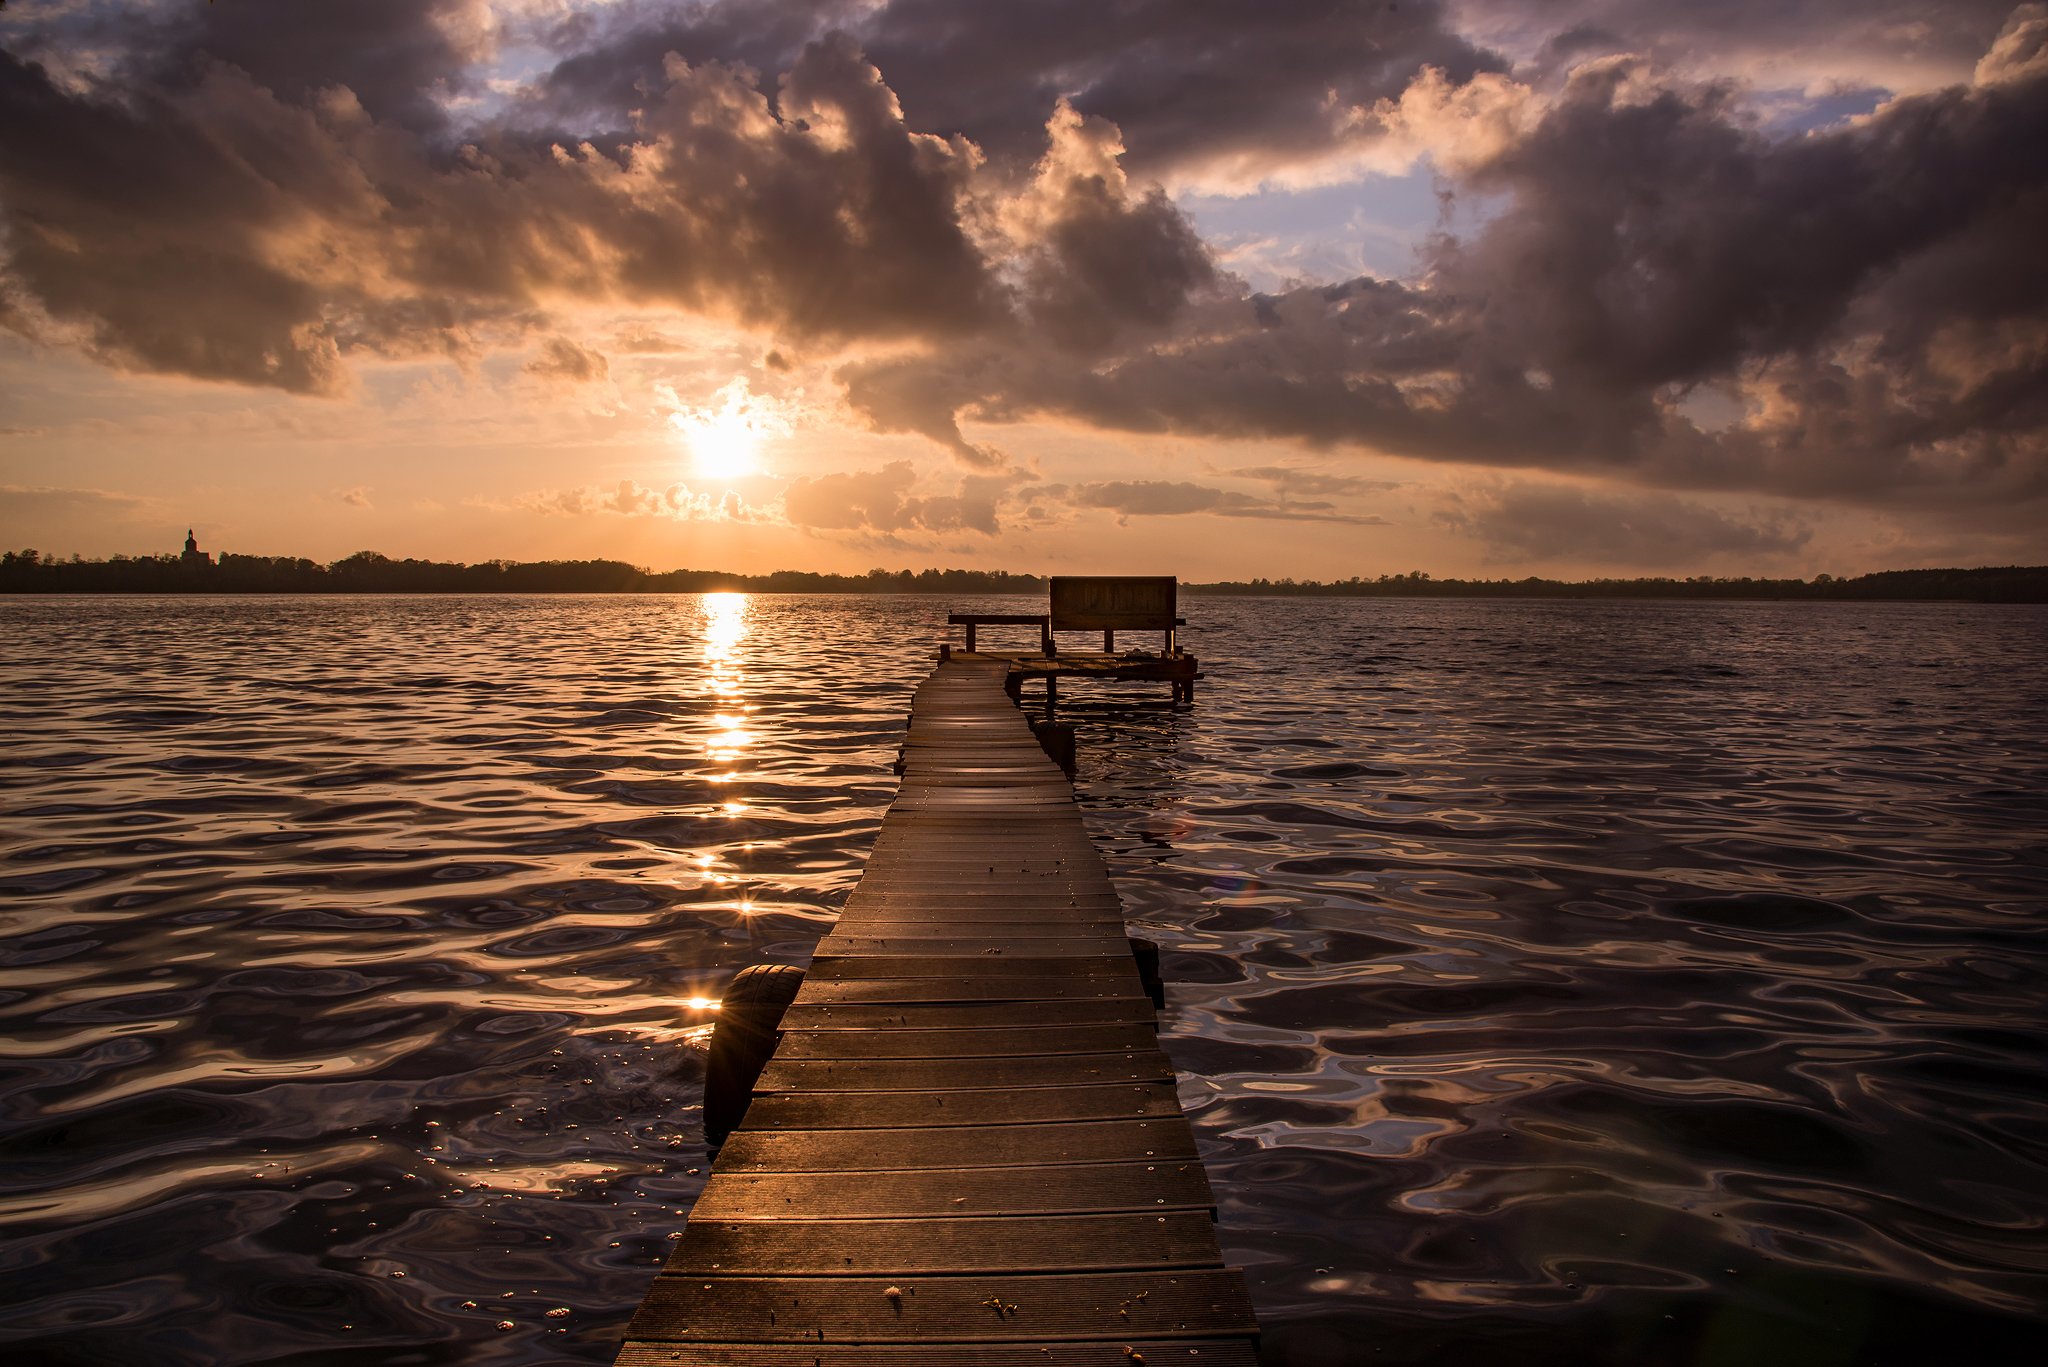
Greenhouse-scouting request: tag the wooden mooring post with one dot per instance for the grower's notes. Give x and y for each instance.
(967, 1147)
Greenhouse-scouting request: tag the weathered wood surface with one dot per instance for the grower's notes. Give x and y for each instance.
(968, 1108)
(938, 1247)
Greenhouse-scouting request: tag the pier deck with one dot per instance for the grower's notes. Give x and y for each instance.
(967, 1148)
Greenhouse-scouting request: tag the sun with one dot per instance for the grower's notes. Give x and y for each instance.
(723, 448)
(724, 437)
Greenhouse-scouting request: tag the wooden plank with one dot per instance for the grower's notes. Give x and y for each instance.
(1107, 1305)
(968, 1074)
(1021, 1243)
(982, 901)
(991, 1146)
(984, 1015)
(1187, 1352)
(978, 881)
(1058, 921)
(1024, 964)
(987, 944)
(1118, 602)
(866, 934)
(800, 1046)
(913, 1110)
(1052, 1189)
(936, 907)
(882, 990)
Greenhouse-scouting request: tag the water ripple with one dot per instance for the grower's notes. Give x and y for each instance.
(1638, 979)
(1551, 982)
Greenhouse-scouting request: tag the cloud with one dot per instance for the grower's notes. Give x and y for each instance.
(879, 500)
(33, 513)
(400, 58)
(1295, 479)
(957, 210)
(645, 341)
(562, 359)
(283, 234)
(1101, 260)
(35, 500)
(1904, 46)
(2021, 49)
(1168, 498)
(629, 498)
(356, 497)
(1202, 92)
(1862, 300)
(294, 225)
(1524, 521)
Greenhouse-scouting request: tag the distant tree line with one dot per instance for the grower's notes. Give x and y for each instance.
(368, 572)
(2007, 584)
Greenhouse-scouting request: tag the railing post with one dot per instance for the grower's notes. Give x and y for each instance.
(1108, 641)
(970, 638)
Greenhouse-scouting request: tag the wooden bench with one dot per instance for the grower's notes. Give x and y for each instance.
(1096, 602)
(1113, 603)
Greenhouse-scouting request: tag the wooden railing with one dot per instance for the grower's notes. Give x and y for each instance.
(971, 620)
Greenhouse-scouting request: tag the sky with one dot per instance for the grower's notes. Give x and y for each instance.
(1298, 288)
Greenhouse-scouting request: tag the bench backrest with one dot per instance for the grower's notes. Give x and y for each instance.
(1113, 602)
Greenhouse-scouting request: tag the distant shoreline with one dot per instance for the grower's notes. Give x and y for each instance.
(366, 572)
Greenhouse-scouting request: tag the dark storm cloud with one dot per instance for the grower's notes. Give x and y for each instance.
(1865, 294)
(399, 57)
(1192, 83)
(217, 229)
(1103, 260)
(1521, 521)
(248, 221)
(1887, 38)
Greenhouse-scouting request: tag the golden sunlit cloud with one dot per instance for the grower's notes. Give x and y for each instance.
(724, 438)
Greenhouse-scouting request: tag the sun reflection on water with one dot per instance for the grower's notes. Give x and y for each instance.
(725, 626)
(730, 734)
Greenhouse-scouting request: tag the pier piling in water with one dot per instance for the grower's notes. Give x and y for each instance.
(967, 1147)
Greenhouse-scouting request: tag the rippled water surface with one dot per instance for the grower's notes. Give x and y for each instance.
(1551, 982)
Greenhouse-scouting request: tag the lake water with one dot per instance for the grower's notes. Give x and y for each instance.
(1568, 982)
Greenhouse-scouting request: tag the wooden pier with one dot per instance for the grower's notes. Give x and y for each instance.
(967, 1147)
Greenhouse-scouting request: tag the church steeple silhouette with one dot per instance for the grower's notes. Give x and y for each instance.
(193, 555)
